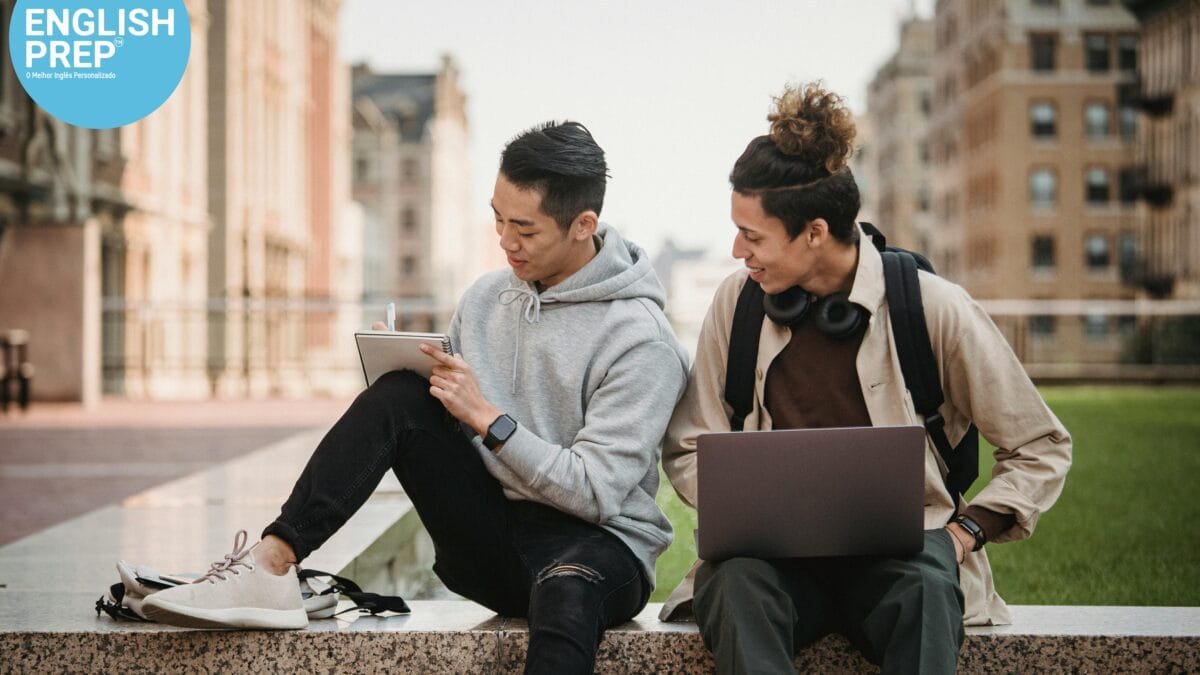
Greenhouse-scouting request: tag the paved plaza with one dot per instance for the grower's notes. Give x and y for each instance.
(59, 461)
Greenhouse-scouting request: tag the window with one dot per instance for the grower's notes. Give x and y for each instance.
(408, 219)
(1042, 187)
(1097, 254)
(1042, 49)
(1042, 119)
(1097, 186)
(1042, 326)
(1127, 121)
(1097, 53)
(362, 170)
(1126, 325)
(1095, 119)
(1045, 3)
(1095, 326)
(926, 104)
(1099, 3)
(1127, 187)
(1043, 253)
(408, 265)
(1127, 52)
(1127, 250)
(408, 170)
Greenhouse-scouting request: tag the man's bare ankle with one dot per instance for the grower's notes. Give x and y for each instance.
(275, 555)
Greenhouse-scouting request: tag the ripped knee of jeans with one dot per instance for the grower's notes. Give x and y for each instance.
(561, 569)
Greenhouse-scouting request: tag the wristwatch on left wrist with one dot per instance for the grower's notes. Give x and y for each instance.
(499, 432)
(968, 523)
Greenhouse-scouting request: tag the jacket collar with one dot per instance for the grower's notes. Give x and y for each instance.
(868, 289)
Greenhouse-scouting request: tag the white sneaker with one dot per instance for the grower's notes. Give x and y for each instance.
(235, 593)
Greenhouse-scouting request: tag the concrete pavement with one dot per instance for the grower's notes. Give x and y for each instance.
(59, 461)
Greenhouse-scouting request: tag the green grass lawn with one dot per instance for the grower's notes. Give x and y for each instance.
(1126, 530)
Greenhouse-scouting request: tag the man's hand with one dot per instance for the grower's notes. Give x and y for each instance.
(963, 541)
(454, 384)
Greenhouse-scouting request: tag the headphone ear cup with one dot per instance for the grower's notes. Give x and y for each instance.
(788, 307)
(837, 317)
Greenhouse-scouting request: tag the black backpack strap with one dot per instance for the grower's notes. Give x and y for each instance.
(918, 364)
(368, 603)
(743, 353)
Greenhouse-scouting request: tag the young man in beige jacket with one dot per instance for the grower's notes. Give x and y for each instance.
(794, 204)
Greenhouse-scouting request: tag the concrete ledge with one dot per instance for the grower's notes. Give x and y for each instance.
(59, 634)
(50, 581)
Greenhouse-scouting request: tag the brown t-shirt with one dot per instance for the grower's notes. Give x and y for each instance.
(813, 383)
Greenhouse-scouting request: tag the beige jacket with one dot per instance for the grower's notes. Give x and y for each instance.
(983, 382)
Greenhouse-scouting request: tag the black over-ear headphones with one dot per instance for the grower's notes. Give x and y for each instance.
(836, 316)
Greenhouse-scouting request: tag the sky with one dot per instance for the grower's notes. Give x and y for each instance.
(672, 90)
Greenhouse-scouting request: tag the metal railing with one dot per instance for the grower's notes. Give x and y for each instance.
(236, 347)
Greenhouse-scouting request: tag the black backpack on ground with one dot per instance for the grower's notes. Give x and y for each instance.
(917, 362)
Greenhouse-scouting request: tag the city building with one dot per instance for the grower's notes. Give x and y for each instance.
(1168, 148)
(865, 168)
(208, 249)
(899, 104)
(1032, 151)
(153, 268)
(412, 177)
(275, 156)
(60, 197)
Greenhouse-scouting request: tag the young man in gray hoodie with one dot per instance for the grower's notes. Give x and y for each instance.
(538, 487)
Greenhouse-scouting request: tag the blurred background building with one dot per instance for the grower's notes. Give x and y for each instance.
(899, 103)
(1033, 165)
(213, 248)
(153, 259)
(412, 177)
(1167, 92)
(1044, 153)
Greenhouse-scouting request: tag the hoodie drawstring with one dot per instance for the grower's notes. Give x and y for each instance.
(533, 314)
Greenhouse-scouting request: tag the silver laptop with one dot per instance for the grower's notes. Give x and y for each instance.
(800, 493)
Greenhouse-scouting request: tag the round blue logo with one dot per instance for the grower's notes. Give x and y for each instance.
(100, 63)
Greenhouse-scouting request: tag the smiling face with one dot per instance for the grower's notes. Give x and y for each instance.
(538, 250)
(775, 261)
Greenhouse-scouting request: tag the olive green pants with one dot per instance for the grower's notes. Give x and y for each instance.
(905, 614)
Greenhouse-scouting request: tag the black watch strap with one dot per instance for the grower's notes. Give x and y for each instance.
(968, 523)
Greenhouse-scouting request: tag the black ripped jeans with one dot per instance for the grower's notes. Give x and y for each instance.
(571, 578)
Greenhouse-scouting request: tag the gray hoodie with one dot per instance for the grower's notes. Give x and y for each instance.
(591, 371)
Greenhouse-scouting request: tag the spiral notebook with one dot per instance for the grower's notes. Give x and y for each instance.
(382, 352)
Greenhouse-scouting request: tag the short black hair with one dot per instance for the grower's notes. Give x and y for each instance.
(561, 161)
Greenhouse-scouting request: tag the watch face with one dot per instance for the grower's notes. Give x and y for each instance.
(503, 427)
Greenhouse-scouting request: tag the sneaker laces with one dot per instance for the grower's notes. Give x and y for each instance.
(230, 563)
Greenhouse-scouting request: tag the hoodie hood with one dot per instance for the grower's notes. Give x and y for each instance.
(620, 270)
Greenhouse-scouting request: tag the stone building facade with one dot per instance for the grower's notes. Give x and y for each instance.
(1032, 163)
(275, 158)
(152, 262)
(208, 249)
(899, 104)
(412, 177)
(1168, 147)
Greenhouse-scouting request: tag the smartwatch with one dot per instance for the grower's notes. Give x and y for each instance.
(499, 432)
(968, 523)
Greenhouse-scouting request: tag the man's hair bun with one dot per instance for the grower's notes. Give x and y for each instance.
(813, 125)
